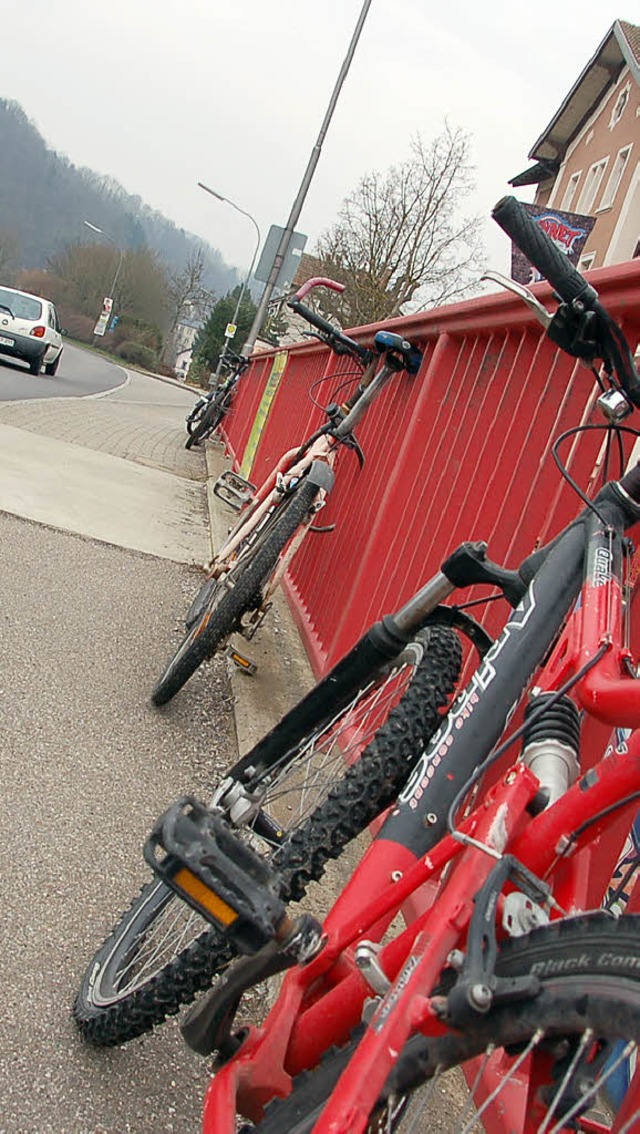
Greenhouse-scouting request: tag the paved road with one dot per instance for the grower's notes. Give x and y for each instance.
(80, 372)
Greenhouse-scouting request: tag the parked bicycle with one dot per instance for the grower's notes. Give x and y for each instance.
(497, 972)
(208, 412)
(276, 517)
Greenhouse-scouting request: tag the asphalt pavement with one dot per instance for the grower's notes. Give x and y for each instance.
(80, 372)
(89, 616)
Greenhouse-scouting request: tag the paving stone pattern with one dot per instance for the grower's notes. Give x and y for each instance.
(126, 423)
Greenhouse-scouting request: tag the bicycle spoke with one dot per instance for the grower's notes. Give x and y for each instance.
(424, 1103)
(170, 935)
(481, 1070)
(587, 1037)
(339, 743)
(592, 1091)
(537, 1036)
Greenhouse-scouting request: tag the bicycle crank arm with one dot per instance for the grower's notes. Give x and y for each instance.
(207, 1026)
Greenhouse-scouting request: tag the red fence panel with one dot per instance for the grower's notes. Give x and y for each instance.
(461, 451)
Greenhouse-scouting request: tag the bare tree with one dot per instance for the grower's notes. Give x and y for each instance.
(188, 298)
(400, 239)
(88, 271)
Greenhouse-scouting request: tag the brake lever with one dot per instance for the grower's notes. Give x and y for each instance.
(542, 315)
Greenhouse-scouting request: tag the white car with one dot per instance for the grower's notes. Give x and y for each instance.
(29, 330)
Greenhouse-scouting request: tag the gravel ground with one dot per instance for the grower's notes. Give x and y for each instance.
(86, 766)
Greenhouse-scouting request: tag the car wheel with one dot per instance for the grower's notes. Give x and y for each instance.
(51, 368)
(35, 366)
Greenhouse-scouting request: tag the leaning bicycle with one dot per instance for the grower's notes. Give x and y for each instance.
(276, 517)
(496, 973)
(208, 412)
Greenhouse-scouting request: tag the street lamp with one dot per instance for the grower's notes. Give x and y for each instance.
(245, 283)
(94, 228)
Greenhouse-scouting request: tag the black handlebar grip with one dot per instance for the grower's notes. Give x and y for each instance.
(533, 241)
(326, 328)
(311, 317)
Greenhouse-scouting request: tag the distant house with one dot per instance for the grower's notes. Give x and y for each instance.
(587, 160)
(183, 339)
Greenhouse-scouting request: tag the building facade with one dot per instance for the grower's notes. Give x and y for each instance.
(588, 157)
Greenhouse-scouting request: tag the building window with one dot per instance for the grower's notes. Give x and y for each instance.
(619, 105)
(615, 177)
(570, 191)
(592, 185)
(587, 261)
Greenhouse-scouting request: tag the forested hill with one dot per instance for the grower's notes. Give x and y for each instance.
(44, 199)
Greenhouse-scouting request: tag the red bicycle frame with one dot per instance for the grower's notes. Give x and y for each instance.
(321, 1003)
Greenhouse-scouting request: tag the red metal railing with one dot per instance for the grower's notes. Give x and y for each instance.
(461, 451)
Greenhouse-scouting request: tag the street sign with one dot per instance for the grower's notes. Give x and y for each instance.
(230, 330)
(103, 318)
(289, 264)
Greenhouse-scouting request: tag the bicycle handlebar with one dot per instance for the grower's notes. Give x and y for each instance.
(553, 264)
(338, 342)
(317, 281)
(581, 326)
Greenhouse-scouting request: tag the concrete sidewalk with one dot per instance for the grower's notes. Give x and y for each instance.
(114, 467)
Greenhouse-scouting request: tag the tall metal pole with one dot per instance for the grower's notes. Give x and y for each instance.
(245, 282)
(94, 228)
(304, 187)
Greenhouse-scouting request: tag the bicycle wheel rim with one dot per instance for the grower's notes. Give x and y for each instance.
(133, 961)
(124, 971)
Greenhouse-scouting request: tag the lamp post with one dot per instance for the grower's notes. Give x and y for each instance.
(245, 282)
(296, 208)
(94, 228)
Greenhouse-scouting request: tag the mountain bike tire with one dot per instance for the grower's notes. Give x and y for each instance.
(585, 983)
(109, 1011)
(240, 592)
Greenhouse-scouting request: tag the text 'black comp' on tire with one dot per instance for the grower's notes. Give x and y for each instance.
(588, 986)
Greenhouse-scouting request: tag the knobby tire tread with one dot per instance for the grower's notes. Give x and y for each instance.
(239, 599)
(563, 1001)
(367, 788)
(209, 421)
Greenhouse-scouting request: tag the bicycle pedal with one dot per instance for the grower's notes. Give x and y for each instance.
(233, 489)
(217, 874)
(245, 665)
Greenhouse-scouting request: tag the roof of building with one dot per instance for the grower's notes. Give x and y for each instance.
(620, 48)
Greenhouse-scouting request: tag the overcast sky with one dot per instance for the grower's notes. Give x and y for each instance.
(161, 94)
